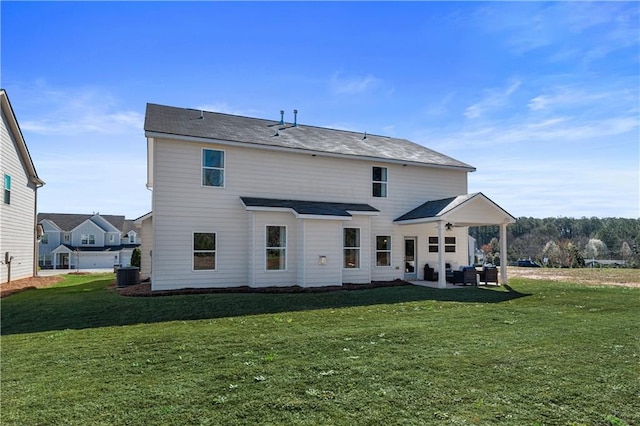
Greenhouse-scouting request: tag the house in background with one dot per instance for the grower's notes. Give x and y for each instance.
(243, 201)
(86, 241)
(20, 183)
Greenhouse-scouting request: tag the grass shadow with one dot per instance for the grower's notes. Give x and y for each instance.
(92, 304)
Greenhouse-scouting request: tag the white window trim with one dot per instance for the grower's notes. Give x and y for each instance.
(224, 168)
(88, 243)
(375, 251)
(352, 248)
(430, 245)
(7, 189)
(386, 182)
(286, 249)
(193, 251)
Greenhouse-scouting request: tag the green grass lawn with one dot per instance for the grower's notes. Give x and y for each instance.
(536, 353)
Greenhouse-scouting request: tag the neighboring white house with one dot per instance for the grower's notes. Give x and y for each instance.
(241, 201)
(86, 241)
(20, 183)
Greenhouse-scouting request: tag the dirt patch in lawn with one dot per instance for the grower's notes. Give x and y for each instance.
(590, 276)
(16, 286)
(144, 289)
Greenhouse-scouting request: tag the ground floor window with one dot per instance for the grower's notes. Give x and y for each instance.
(449, 244)
(351, 248)
(276, 248)
(45, 260)
(204, 251)
(383, 250)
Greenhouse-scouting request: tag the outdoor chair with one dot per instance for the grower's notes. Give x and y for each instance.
(489, 275)
(467, 275)
(429, 273)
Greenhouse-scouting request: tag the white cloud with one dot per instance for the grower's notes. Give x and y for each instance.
(353, 85)
(225, 108)
(73, 111)
(571, 97)
(493, 99)
(557, 187)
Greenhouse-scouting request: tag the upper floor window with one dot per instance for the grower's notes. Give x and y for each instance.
(112, 238)
(44, 239)
(351, 248)
(204, 251)
(7, 189)
(132, 238)
(87, 239)
(379, 182)
(67, 238)
(213, 168)
(276, 248)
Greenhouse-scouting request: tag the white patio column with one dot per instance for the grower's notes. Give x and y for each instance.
(442, 279)
(503, 253)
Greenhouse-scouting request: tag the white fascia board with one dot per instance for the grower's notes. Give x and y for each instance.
(303, 151)
(420, 220)
(269, 209)
(362, 213)
(91, 222)
(142, 218)
(61, 249)
(150, 144)
(322, 217)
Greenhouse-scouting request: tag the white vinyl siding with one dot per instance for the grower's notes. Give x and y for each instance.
(17, 222)
(181, 204)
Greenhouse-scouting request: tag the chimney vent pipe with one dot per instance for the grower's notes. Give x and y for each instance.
(295, 118)
(281, 117)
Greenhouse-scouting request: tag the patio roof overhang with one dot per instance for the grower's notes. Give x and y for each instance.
(461, 211)
(464, 210)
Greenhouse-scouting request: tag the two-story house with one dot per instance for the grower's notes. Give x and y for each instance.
(20, 183)
(86, 241)
(241, 201)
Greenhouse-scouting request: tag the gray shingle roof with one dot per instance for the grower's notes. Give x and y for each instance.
(428, 209)
(225, 127)
(319, 208)
(68, 221)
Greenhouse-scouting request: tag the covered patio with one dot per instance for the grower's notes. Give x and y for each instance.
(461, 211)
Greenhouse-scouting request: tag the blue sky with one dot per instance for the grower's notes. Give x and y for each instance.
(542, 98)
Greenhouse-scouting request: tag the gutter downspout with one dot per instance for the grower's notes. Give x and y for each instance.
(36, 243)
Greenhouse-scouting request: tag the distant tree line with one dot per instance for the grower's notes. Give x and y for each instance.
(564, 242)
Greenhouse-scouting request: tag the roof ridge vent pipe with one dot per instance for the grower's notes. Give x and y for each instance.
(295, 118)
(281, 117)
(201, 115)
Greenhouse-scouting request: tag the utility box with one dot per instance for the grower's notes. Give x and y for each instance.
(129, 275)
